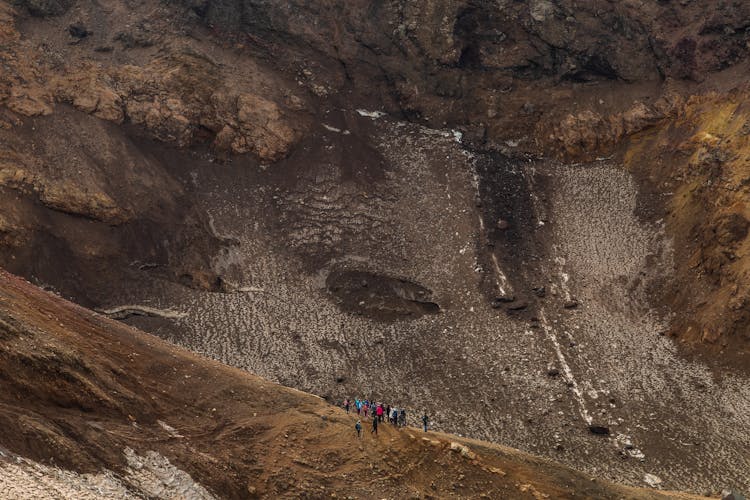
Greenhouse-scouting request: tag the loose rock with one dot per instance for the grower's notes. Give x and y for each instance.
(599, 430)
(78, 31)
(652, 480)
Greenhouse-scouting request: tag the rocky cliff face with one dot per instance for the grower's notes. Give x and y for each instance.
(483, 65)
(344, 196)
(566, 79)
(700, 157)
(530, 76)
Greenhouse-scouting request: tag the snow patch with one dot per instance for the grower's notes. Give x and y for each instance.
(331, 128)
(122, 312)
(149, 476)
(567, 372)
(371, 114)
(652, 480)
(155, 476)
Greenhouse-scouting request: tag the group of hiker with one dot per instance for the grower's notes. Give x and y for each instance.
(380, 412)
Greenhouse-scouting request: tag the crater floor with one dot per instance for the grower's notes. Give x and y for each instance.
(512, 299)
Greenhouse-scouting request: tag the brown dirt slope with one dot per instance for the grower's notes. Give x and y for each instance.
(700, 161)
(77, 388)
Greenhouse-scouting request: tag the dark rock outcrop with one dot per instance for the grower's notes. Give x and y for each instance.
(419, 57)
(600, 430)
(45, 8)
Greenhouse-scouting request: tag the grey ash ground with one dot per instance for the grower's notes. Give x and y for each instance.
(510, 298)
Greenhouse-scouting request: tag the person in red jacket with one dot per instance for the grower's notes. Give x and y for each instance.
(379, 412)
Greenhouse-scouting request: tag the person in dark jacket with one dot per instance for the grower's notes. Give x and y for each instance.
(374, 425)
(358, 428)
(425, 420)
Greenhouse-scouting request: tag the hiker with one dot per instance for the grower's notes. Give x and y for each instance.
(346, 405)
(394, 415)
(358, 404)
(425, 419)
(374, 425)
(402, 418)
(388, 413)
(366, 407)
(358, 428)
(379, 412)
